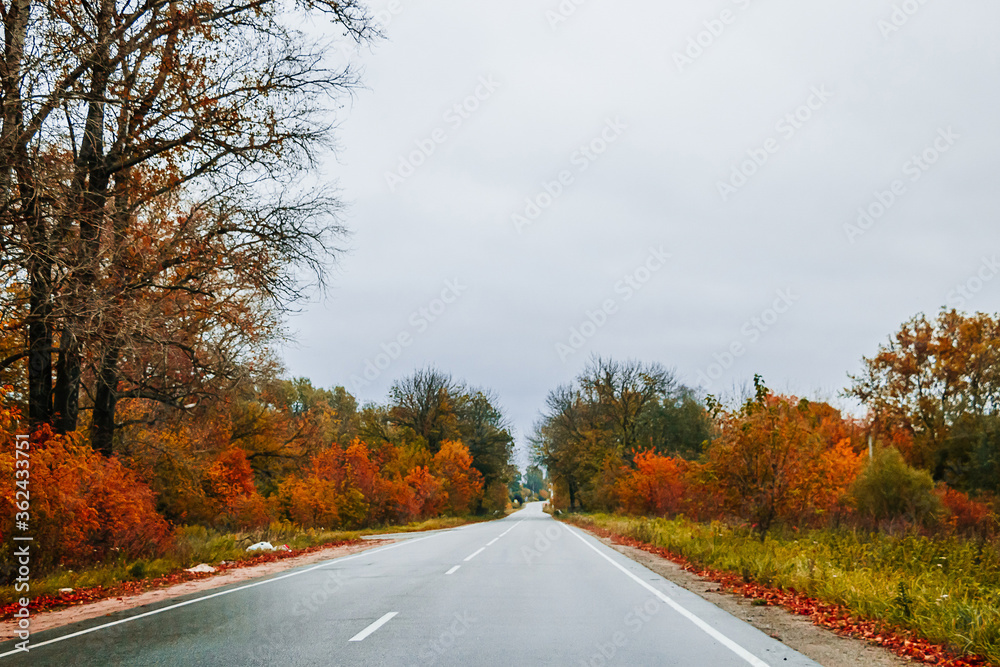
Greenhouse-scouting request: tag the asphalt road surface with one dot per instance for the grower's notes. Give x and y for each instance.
(524, 590)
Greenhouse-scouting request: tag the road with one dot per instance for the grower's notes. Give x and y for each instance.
(524, 590)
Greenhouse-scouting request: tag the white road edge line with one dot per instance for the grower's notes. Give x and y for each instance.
(512, 527)
(453, 570)
(474, 554)
(214, 595)
(492, 542)
(708, 629)
(361, 636)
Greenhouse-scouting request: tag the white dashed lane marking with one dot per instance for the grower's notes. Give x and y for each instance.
(361, 636)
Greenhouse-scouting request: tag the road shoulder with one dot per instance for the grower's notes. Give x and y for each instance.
(796, 632)
(54, 619)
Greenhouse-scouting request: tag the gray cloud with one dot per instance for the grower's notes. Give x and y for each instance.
(657, 184)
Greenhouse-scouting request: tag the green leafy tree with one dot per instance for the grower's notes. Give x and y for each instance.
(888, 490)
(938, 382)
(534, 479)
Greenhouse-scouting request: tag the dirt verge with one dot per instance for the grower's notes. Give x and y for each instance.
(54, 619)
(798, 632)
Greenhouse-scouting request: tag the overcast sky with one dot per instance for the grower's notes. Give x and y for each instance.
(688, 177)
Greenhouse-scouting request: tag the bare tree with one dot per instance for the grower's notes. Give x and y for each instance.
(623, 391)
(426, 403)
(111, 107)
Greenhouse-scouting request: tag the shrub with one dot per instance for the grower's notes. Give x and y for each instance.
(230, 485)
(657, 485)
(888, 490)
(84, 508)
(429, 496)
(966, 516)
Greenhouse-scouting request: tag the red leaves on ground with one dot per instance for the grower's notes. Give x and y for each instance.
(900, 641)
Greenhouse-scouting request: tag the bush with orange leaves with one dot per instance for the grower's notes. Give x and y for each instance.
(965, 516)
(462, 483)
(346, 488)
(774, 462)
(428, 495)
(84, 508)
(656, 486)
(319, 498)
(229, 484)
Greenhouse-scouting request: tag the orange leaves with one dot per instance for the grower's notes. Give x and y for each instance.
(353, 488)
(346, 488)
(9, 416)
(937, 382)
(839, 466)
(428, 494)
(361, 473)
(774, 462)
(462, 482)
(310, 502)
(230, 476)
(656, 486)
(230, 484)
(84, 507)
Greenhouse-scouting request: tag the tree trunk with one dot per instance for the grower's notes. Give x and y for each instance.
(40, 309)
(17, 160)
(91, 185)
(102, 428)
(67, 391)
(40, 347)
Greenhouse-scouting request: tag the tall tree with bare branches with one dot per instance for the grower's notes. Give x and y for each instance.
(148, 152)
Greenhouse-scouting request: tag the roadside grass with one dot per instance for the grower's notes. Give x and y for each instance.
(193, 545)
(946, 589)
(439, 523)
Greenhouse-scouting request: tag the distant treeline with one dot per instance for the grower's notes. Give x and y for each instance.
(627, 436)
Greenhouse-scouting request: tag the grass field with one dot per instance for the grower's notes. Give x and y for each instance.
(946, 589)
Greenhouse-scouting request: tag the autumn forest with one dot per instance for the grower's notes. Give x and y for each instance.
(158, 223)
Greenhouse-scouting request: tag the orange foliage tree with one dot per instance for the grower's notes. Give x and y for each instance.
(230, 484)
(771, 462)
(938, 382)
(462, 482)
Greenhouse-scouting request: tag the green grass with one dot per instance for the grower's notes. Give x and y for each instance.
(946, 589)
(196, 544)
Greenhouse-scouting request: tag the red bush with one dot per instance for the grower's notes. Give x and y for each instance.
(429, 496)
(656, 486)
(966, 516)
(230, 485)
(84, 508)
